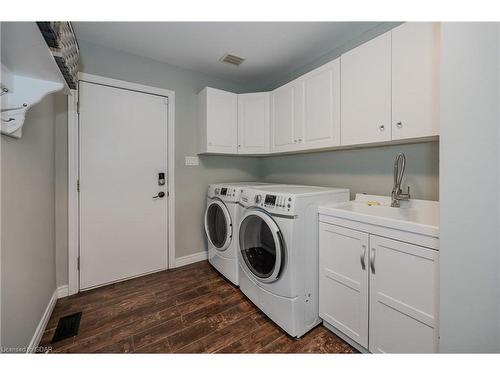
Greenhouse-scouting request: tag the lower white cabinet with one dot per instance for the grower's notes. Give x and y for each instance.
(343, 280)
(377, 291)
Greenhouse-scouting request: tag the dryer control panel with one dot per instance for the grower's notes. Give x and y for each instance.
(225, 193)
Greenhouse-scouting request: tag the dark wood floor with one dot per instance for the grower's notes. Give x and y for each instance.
(188, 310)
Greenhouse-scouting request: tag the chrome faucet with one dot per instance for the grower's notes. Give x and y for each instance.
(397, 194)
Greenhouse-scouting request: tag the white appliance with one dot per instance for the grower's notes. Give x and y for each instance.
(278, 251)
(221, 226)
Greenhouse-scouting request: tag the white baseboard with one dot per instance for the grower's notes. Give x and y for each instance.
(42, 324)
(193, 258)
(62, 291)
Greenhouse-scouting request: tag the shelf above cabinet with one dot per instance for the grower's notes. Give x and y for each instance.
(28, 73)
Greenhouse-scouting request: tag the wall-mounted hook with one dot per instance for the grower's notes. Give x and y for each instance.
(14, 108)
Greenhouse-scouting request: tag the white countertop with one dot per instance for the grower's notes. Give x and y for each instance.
(416, 216)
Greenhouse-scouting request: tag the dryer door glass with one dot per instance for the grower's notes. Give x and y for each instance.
(217, 225)
(261, 245)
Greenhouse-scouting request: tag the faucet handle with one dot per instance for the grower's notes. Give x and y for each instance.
(406, 196)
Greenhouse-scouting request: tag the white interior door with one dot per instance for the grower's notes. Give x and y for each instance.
(123, 148)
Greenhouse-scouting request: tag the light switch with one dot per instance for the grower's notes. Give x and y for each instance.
(192, 160)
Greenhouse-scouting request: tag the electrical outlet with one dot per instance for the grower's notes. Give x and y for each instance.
(192, 160)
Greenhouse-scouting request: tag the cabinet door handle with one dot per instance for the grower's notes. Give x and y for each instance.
(382, 128)
(372, 260)
(399, 124)
(362, 257)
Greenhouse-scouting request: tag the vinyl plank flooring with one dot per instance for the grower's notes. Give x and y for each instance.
(191, 309)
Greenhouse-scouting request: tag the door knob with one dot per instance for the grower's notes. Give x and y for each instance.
(161, 194)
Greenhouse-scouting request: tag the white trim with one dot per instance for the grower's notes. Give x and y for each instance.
(73, 230)
(62, 291)
(100, 80)
(1, 67)
(73, 172)
(37, 336)
(193, 258)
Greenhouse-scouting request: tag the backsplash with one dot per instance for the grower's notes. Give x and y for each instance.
(366, 170)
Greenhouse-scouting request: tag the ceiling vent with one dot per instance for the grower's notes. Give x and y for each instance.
(232, 59)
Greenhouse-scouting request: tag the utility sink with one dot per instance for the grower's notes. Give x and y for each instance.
(416, 216)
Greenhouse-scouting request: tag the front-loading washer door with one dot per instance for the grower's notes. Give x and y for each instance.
(261, 245)
(218, 225)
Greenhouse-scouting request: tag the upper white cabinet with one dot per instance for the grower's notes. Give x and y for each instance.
(366, 92)
(415, 80)
(306, 112)
(218, 118)
(321, 126)
(253, 123)
(287, 107)
(386, 89)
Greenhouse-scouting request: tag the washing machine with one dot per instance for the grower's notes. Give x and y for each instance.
(278, 251)
(221, 227)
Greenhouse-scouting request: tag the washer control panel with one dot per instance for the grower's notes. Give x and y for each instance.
(277, 203)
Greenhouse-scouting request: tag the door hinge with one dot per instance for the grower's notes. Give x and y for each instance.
(78, 263)
(166, 99)
(78, 186)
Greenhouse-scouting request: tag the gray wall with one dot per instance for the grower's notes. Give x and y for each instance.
(362, 170)
(469, 256)
(61, 188)
(191, 182)
(367, 170)
(333, 54)
(28, 225)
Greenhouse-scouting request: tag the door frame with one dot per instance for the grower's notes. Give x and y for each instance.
(73, 171)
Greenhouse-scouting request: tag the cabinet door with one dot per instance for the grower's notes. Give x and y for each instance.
(253, 123)
(221, 121)
(403, 297)
(343, 280)
(415, 80)
(322, 107)
(366, 92)
(286, 116)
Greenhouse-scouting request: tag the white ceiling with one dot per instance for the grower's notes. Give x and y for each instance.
(271, 49)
